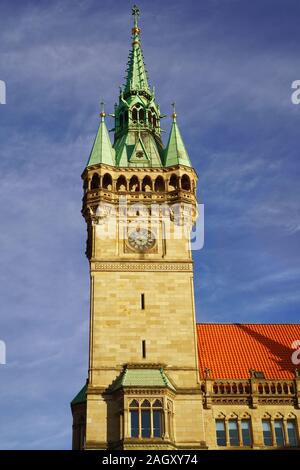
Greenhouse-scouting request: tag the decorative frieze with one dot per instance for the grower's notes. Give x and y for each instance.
(141, 266)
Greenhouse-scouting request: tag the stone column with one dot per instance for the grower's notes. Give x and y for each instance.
(273, 432)
(239, 422)
(227, 432)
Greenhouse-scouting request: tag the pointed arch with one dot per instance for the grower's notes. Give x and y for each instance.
(134, 114)
(185, 183)
(95, 183)
(107, 182)
(173, 183)
(159, 185)
(141, 115)
(134, 184)
(146, 404)
(121, 183)
(147, 184)
(157, 404)
(134, 404)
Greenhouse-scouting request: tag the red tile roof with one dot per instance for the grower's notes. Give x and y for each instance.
(230, 350)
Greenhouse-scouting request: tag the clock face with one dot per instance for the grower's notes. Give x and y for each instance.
(141, 239)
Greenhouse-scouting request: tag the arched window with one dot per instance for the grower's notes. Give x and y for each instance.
(107, 182)
(134, 115)
(121, 120)
(149, 117)
(157, 418)
(121, 183)
(134, 418)
(141, 115)
(95, 183)
(173, 184)
(186, 183)
(147, 184)
(159, 184)
(154, 120)
(146, 419)
(134, 184)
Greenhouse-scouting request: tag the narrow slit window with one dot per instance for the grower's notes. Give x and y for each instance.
(143, 301)
(144, 349)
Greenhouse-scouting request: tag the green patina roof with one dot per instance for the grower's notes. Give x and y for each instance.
(142, 378)
(137, 139)
(176, 153)
(102, 151)
(136, 74)
(140, 150)
(80, 397)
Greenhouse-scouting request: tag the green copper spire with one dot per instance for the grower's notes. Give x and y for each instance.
(102, 151)
(137, 139)
(136, 77)
(176, 153)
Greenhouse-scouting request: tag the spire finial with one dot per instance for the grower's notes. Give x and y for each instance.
(135, 30)
(135, 13)
(174, 115)
(102, 114)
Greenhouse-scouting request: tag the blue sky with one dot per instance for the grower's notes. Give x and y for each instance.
(229, 65)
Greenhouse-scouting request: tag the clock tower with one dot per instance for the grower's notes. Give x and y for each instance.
(139, 204)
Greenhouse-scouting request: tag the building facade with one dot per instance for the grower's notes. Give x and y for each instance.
(154, 381)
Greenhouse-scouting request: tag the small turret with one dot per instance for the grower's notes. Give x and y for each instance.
(102, 150)
(176, 153)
